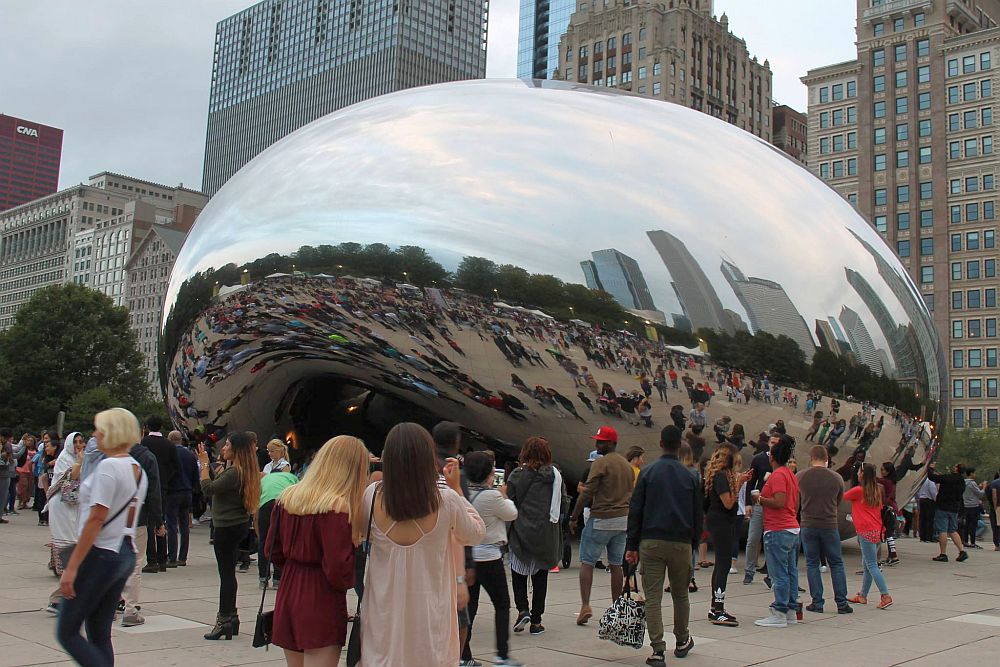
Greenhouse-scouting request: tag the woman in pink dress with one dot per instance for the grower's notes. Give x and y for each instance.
(409, 608)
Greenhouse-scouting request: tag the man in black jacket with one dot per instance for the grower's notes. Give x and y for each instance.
(169, 467)
(951, 487)
(664, 524)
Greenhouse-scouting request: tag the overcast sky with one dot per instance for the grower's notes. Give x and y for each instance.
(128, 80)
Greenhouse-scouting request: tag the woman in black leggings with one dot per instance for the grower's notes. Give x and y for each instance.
(721, 486)
(235, 491)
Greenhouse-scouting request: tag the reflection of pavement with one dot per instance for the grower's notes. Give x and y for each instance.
(941, 617)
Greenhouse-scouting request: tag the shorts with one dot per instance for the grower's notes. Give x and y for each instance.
(593, 542)
(945, 522)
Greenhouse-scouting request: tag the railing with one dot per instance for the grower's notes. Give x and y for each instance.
(895, 7)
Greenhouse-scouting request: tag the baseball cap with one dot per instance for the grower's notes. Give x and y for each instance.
(606, 433)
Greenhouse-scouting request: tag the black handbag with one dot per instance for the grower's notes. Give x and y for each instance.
(354, 641)
(263, 630)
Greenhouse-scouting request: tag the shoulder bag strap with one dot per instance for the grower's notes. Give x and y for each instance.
(272, 530)
(366, 546)
(124, 507)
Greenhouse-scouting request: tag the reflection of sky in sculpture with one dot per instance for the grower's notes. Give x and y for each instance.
(541, 175)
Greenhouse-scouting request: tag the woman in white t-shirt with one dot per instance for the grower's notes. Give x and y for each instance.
(104, 555)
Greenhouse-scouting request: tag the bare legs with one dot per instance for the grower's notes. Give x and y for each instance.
(328, 656)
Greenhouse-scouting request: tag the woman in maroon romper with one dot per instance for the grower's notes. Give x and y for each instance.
(317, 531)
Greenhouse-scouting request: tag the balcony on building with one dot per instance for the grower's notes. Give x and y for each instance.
(897, 8)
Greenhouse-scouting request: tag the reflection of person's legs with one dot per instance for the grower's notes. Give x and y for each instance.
(651, 555)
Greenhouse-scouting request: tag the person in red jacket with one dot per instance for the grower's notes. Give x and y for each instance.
(866, 512)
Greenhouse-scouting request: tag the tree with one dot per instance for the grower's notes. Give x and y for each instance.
(477, 275)
(976, 448)
(67, 340)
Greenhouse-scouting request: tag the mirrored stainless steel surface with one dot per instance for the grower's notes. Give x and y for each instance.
(679, 216)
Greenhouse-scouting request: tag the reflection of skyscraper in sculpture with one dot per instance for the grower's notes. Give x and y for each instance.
(620, 276)
(901, 339)
(887, 367)
(926, 338)
(860, 339)
(827, 339)
(694, 290)
(769, 308)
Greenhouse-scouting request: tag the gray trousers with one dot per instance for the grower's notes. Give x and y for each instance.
(755, 534)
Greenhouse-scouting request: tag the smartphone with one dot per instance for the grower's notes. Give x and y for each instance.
(498, 477)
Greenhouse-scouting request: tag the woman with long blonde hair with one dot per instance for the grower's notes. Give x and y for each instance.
(235, 492)
(278, 452)
(722, 484)
(866, 513)
(314, 530)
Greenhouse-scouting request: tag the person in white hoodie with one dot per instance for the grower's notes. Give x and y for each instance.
(63, 505)
(496, 510)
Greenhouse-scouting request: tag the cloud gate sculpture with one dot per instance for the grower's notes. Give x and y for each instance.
(317, 294)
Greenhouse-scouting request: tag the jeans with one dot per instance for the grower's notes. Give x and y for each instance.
(539, 588)
(666, 560)
(263, 563)
(928, 508)
(781, 549)
(491, 576)
(819, 543)
(971, 525)
(178, 511)
(754, 535)
(721, 529)
(227, 545)
(98, 586)
(869, 559)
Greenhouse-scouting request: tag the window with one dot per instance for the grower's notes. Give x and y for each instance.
(901, 79)
(902, 159)
(878, 58)
(852, 140)
(987, 181)
(824, 145)
(656, 87)
(657, 69)
(957, 389)
(902, 221)
(987, 145)
(626, 38)
(925, 155)
(852, 166)
(838, 169)
(926, 247)
(968, 92)
(991, 362)
(975, 391)
(986, 87)
(991, 413)
(974, 328)
(837, 91)
(924, 101)
(972, 269)
(972, 212)
(611, 43)
(956, 301)
(902, 105)
(987, 117)
(956, 242)
(880, 196)
(954, 150)
(880, 224)
(900, 53)
(897, 25)
(642, 72)
(991, 327)
(926, 219)
(989, 239)
(926, 190)
(953, 122)
(972, 184)
(990, 297)
(971, 148)
(879, 29)
(988, 211)
(970, 119)
(972, 298)
(968, 64)
(880, 136)
(975, 358)
(878, 83)
(956, 270)
(642, 34)
(838, 143)
(953, 67)
(852, 114)
(838, 117)
(956, 328)
(923, 48)
(852, 89)
(903, 248)
(925, 127)
(989, 268)
(926, 275)
(975, 416)
(958, 417)
(918, 19)
(880, 162)
(902, 131)
(824, 119)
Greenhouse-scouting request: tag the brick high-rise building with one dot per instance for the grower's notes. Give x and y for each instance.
(29, 160)
(905, 133)
(282, 64)
(672, 50)
(791, 129)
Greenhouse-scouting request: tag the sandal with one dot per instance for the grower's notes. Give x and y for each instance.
(705, 563)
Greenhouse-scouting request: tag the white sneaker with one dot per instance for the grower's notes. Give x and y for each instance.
(791, 617)
(824, 569)
(775, 620)
(732, 570)
(509, 662)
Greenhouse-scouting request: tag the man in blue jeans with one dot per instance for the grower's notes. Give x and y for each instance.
(822, 491)
(780, 501)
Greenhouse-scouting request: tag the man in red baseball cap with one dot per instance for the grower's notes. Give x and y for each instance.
(607, 492)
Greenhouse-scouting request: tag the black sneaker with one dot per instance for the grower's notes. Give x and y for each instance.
(962, 556)
(723, 618)
(599, 565)
(768, 582)
(815, 608)
(893, 559)
(681, 650)
(536, 629)
(523, 618)
(846, 609)
(657, 659)
(943, 558)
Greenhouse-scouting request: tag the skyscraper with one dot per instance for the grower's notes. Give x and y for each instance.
(861, 340)
(674, 51)
(826, 337)
(620, 276)
(769, 308)
(694, 290)
(541, 25)
(282, 64)
(905, 133)
(29, 161)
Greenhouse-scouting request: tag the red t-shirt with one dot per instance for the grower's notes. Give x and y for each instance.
(781, 481)
(867, 518)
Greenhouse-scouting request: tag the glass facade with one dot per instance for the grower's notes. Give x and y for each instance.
(281, 64)
(541, 25)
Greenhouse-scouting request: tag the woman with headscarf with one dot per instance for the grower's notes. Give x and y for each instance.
(63, 505)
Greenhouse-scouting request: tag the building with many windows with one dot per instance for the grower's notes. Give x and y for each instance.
(790, 129)
(905, 133)
(541, 24)
(282, 64)
(29, 160)
(672, 50)
(619, 275)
